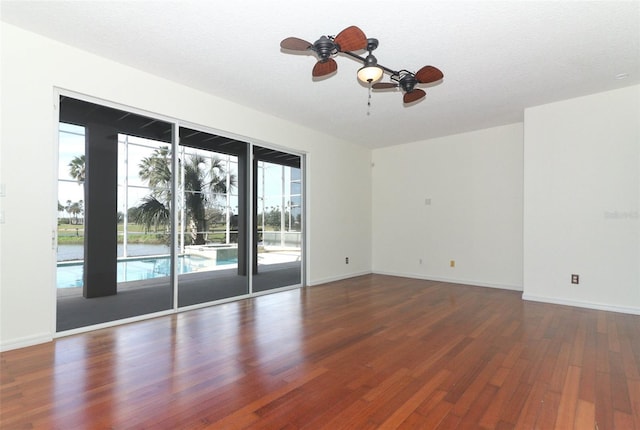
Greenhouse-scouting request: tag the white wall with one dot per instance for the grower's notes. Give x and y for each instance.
(338, 186)
(474, 183)
(582, 194)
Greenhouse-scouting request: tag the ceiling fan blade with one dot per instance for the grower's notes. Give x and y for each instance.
(295, 44)
(351, 39)
(429, 74)
(323, 68)
(414, 96)
(383, 85)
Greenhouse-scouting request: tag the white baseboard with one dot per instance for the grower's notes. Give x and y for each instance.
(454, 281)
(25, 341)
(336, 278)
(580, 304)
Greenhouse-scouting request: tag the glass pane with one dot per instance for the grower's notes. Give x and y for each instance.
(113, 263)
(212, 235)
(144, 238)
(279, 224)
(70, 244)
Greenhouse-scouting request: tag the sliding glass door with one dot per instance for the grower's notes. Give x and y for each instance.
(212, 218)
(114, 255)
(278, 215)
(153, 216)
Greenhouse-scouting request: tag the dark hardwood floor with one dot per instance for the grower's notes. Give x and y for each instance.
(369, 352)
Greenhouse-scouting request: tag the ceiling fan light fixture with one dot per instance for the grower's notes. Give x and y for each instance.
(370, 72)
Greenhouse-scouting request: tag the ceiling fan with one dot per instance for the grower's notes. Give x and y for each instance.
(353, 39)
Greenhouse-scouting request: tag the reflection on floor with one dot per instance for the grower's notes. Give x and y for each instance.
(154, 295)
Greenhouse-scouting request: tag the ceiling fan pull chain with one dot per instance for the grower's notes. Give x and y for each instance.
(369, 100)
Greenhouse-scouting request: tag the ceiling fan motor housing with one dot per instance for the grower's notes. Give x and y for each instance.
(324, 47)
(408, 82)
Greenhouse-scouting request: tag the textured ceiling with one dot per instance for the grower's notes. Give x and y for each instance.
(497, 57)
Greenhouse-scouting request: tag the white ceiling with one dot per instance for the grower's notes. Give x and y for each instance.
(497, 57)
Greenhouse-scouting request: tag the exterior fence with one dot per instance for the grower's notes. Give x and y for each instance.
(291, 239)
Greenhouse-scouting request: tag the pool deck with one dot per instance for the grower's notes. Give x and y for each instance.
(277, 269)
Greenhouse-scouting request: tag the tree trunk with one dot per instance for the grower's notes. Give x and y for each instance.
(196, 228)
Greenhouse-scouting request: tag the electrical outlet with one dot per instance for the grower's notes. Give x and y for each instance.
(346, 260)
(452, 263)
(575, 279)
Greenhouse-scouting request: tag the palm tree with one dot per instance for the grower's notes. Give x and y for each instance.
(152, 213)
(75, 209)
(155, 209)
(203, 178)
(77, 168)
(60, 209)
(67, 208)
(156, 170)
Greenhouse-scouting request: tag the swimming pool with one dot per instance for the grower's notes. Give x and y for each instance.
(69, 274)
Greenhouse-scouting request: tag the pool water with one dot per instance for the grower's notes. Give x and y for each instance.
(69, 275)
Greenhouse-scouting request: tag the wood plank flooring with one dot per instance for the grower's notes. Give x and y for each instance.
(366, 353)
